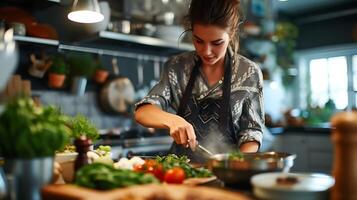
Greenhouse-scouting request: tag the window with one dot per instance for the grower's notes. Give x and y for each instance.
(328, 80)
(328, 74)
(354, 74)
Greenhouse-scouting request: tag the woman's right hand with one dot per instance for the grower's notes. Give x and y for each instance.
(181, 131)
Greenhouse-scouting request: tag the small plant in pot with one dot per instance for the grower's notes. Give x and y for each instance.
(29, 137)
(81, 68)
(80, 126)
(57, 72)
(101, 74)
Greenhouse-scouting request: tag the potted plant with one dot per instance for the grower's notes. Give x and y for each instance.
(57, 72)
(101, 74)
(29, 137)
(81, 68)
(80, 126)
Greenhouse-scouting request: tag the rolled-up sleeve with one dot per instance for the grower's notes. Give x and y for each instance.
(251, 122)
(160, 94)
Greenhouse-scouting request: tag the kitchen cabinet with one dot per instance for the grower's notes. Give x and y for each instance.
(314, 150)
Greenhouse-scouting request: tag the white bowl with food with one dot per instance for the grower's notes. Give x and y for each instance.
(292, 186)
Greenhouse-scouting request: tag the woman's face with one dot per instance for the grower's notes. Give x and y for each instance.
(210, 42)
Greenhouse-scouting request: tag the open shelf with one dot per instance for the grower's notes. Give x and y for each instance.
(36, 40)
(145, 40)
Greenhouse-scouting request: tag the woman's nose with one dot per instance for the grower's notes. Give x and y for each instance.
(206, 49)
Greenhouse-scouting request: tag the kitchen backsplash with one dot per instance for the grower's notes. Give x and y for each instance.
(86, 105)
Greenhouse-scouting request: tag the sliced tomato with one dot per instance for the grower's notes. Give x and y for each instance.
(175, 175)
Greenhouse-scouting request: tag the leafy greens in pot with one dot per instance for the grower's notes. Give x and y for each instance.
(29, 131)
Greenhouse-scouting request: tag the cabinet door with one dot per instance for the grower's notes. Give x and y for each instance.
(294, 144)
(320, 153)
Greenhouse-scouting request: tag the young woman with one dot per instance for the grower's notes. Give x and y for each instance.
(212, 95)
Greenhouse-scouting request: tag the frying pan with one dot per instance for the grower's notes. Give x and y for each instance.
(240, 170)
(117, 94)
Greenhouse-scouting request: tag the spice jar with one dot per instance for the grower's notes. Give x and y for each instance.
(344, 138)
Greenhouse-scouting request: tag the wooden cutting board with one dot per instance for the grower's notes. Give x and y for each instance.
(140, 192)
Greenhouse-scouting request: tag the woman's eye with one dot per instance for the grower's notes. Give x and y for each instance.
(217, 43)
(199, 41)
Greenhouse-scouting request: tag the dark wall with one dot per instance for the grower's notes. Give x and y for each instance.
(333, 26)
(330, 32)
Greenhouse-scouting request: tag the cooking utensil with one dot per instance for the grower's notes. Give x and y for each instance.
(206, 151)
(306, 186)
(240, 170)
(118, 93)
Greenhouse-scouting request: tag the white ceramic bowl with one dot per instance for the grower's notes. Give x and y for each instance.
(309, 186)
(66, 161)
(169, 32)
(65, 157)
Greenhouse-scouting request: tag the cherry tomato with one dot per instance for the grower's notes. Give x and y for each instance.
(159, 172)
(150, 163)
(152, 167)
(175, 175)
(138, 168)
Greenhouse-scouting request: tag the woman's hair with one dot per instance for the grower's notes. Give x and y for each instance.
(222, 13)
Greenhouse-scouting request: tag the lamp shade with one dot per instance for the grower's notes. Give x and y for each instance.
(85, 11)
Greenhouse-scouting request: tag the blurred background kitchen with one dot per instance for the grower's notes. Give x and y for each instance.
(306, 49)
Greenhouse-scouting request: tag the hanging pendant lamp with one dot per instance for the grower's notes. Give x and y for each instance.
(85, 11)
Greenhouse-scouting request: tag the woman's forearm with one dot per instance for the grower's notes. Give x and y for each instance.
(180, 130)
(152, 116)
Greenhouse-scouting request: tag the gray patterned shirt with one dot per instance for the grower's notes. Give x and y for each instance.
(246, 92)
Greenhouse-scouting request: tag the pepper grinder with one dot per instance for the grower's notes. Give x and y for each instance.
(82, 146)
(344, 138)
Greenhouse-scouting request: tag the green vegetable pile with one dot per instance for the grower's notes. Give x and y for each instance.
(235, 155)
(170, 161)
(103, 150)
(29, 131)
(105, 177)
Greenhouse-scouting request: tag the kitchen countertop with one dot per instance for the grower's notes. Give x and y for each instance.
(300, 130)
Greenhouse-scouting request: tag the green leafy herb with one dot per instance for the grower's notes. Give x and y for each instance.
(81, 64)
(104, 177)
(81, 125)
(235, 155)
(170, 161)
(58, 65)
(29, 131)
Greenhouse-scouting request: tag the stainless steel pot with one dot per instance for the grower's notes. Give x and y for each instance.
(240, 170)
(26, 177)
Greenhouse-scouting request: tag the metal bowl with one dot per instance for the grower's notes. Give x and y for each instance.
(240, 170)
